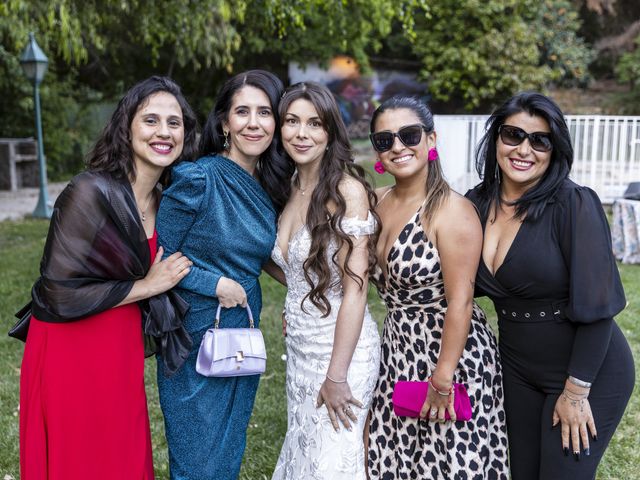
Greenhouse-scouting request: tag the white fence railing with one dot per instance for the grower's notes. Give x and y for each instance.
(606, 151)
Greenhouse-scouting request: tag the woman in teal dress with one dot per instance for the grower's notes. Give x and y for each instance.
(220, 211)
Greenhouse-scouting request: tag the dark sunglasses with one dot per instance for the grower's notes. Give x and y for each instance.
(410, 136)
(512, 136)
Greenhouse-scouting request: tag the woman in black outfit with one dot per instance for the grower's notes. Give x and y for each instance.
(547, 265)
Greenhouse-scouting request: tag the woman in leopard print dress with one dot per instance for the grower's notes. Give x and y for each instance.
(426, 276)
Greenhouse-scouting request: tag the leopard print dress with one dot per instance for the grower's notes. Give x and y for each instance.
(410, 448)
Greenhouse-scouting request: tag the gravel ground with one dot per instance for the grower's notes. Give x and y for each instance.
(20, 204)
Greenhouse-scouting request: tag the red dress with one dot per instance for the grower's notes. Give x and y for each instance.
(83, 407)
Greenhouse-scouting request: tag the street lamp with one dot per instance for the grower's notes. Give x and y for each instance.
(34, 63)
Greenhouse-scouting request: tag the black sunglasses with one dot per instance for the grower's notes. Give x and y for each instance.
(512, 136)
(410, 136)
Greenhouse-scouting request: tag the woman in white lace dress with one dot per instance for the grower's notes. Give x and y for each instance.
(325, 247)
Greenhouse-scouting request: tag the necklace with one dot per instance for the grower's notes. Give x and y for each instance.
(296, 183)
(303, 190)
(143, 212)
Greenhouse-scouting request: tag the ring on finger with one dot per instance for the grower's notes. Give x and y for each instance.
(433, 412)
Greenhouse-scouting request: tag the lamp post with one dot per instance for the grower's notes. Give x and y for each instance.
(34, 63)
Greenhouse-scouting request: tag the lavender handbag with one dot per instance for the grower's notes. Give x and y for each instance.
(232, 352)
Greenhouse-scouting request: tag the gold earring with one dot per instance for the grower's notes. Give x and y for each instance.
(226, 141)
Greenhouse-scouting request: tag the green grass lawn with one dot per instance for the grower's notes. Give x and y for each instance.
(20, 249)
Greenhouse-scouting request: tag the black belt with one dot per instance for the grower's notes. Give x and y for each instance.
(531, 313)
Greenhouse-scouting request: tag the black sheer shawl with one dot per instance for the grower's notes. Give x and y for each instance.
(96, 249)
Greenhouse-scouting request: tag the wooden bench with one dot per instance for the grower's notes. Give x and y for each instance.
(18, 163)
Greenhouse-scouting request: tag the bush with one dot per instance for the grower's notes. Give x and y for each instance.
(628, 71)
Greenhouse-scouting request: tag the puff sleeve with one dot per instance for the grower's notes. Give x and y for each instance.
(595, 289)
(356, 228)
(179, 209)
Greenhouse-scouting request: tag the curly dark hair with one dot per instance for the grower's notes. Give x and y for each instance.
(533, 202)
(273, 169)
(113, 151)
(323, 224)
(436, 188)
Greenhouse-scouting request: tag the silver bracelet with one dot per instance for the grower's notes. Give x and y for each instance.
(335, 381)
(579, 383)
(572, 399)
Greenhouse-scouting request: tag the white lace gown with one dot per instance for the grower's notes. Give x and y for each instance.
(312, 449)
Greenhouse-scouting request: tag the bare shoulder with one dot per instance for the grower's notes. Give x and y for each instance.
(456, 203)
(351, 189)
(381, 192)
(457, 216)
(355, 196)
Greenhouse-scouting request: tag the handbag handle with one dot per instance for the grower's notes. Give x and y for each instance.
(217, 322)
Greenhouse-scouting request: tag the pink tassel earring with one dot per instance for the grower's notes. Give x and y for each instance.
(379, 167)
(433, 154)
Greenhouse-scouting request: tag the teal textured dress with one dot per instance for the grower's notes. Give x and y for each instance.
(218, 215)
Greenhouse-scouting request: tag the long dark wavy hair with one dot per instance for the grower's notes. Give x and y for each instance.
(533, 202)
(436, 187)
(113, 151)
(272, 170)
(323, 223)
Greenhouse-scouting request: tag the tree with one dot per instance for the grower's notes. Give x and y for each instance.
(200, 33)
(312, 30)
(123, 38)
(475, 52)
(628, 71)
(628, 68)
(560, 46)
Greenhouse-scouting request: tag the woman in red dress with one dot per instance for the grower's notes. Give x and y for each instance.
(83, 410)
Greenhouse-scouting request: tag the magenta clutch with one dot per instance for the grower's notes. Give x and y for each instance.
(408, 398)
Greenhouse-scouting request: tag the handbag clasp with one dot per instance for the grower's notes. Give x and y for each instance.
(239, 356)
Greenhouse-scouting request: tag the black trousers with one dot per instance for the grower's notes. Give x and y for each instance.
(535, 358)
